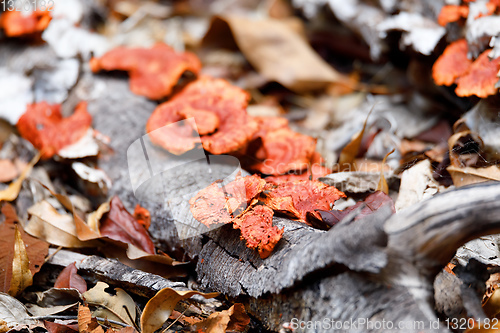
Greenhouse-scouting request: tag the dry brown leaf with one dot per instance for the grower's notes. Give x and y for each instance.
(113, 307)
(469, 175)
(46, 223)
(348, 155)
(36, 249)
(21, 274)
(159, 308)
(492, 306)
(87, 324)
(11, 192)
(233, 319)
(277, 51)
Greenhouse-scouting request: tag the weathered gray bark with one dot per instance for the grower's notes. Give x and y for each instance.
(383, 273)
(379, 268)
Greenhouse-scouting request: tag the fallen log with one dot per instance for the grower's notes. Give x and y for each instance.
(379, 269)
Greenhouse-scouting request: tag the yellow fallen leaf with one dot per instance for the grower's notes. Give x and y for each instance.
(119, 307)
(382, 183)
(11, 192)
(160, 307)
(21, 274)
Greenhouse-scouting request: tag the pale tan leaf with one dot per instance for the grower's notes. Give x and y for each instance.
(277, 51)
(113, 306)
(159, 308)
(21, 274)
(46, 223)
(469, 175)
(13, 312)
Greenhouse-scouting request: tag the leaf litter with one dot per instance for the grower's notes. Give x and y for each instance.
(304, 155)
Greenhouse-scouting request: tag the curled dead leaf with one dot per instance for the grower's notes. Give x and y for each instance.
(16, 265)
(21, 274)
(159, 308)
(69, 278)
(119, 225)
(119, 307)
(153, 72)
(233, 319)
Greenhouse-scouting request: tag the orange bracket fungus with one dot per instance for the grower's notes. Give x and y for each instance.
(153, 72)
(256, 226)
(220, 118)
(20, 24)
(476, 77)
(296, 199)
(285, 150)
(220, 204)
(249, 203)
(452, 63)
(452, 13)
(43, 125)
(480, 78)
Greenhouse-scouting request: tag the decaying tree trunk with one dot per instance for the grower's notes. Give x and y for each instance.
(379, 269)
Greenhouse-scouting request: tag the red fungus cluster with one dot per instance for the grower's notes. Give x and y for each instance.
(153, 71)
(476, 77)
(249, 204)
(43, 125)
(21, 24)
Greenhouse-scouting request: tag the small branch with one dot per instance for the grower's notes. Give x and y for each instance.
(75, 318)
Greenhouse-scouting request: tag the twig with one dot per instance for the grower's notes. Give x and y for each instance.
(182, 315)
(75, 318)
(131, 319)
(53, 254)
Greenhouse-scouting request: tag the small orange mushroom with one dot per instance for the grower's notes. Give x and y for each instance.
(153, 72)
(19, 24)
(256, 226)
(452, 13)
(219, 111)
(452, 63)
(220, 204)
(480, 78)
(44, 126)
(285, 150)
(296, 199)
